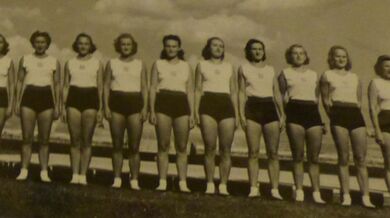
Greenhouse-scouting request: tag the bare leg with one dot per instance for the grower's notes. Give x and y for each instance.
(226, 129)
(181, 131)
(163, 132)
(134, 133)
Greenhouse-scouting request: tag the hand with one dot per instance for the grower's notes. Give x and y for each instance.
(197, 119)
(370, 132)
(324, 129)
(191, 121)
(282, 123)
(243, 122)
(99, 117)
(107, 113)
(237, 121)
(144, 115)
(63, 114)
(152, 118)
(17, 110)
(379, 138)
(56, 113)
(9, 112)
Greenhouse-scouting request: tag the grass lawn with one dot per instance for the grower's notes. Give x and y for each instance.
(35, 199)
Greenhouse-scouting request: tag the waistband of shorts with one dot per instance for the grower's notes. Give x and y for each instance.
(83, 88)
(170, 92)
(338, 104)
(260, 99)
(217, 94)
(302, 102)
(38, 88)
(125, 93)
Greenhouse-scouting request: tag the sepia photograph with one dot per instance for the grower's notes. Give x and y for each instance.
(194, 108)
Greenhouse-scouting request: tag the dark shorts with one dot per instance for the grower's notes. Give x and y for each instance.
(349, 117)
(303, 113)
(125, 103)
(384, 120)
(172, 103)
(261, 110)
(217, 105)
(37, 98)
(82, 98)
(3, 97)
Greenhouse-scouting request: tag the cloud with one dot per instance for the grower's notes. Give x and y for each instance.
(8, 16)
(263, 5)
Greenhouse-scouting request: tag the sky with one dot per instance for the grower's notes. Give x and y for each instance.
(362, 26)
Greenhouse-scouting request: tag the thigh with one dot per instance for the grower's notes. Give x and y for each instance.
(359, 142)
(88, 124)
(386, 150)
(209, 130)
(163, 129)
(296, 137)
(45, 121)
(341, 139)
(314, 141)
(226, 129)
(2, 118)
(271, 132)
(134, 129)
(253, 135)
(74, 123)
(28, 119)
(181, 130)
(117, 128)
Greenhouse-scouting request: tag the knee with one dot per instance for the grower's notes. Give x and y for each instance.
(133, 149)
(272, 155)
(314, 159)
(343, 160)
(253, 154)
(163, 147)
(360, 161)
(298, 157)
(28, 140)
(210, 149)
(182, 149)
(225, 152)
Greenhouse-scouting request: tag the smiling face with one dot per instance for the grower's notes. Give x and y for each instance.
(386, 69)
(171, 48)
(84, 45)
(257, 52)
(126, 46)
(340, 59)
(40, 45)
(216, 48)
(298, 56)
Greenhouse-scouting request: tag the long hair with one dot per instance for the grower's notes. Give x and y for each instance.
(206, 52)
(80, 35)
(248, 47)
(288, 54)
(379, 62)
(331, 54)
(180, 53)
(37, 34)
(5, 49)
(117, 43)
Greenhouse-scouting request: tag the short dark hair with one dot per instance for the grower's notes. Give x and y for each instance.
(379, 63)
(289, 52)
(117, 43)
(206, 52)
(331, 54)
(5, 49)
(248, 47)
(75, 47)
(37, 34)
(180, 54)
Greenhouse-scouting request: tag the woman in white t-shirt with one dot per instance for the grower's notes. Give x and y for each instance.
(216, 109)
(342, 98)
(82, 103)
(379, 98)
(261, 111)
(125, 105)
(38, 100)
(300, 90)
(172, 107)
(7, 83)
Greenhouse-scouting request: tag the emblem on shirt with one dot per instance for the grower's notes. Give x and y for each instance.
(40, 64)
(126, 69)
(82, 66)
(303, 79)
(217, 72)
(261, 76)
(173, 73)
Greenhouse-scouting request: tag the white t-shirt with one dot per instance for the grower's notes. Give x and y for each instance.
(343, 88)
(126, 76)
(259, 81)
(83, 73)
(173, 77)
(383, 90)
(301, 85)
(5, 64)
(216, 77)
(39, 71)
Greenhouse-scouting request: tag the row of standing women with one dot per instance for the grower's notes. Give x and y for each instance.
(215, 97)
